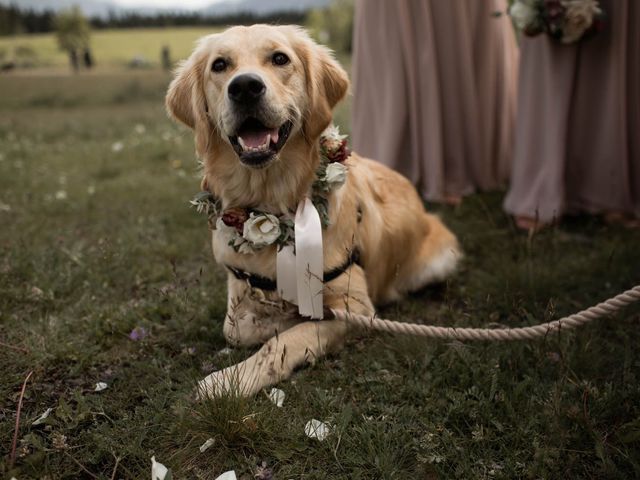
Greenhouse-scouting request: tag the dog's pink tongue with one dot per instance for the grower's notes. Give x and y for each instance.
(256, 139)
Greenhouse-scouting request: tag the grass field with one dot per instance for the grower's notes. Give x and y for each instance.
(97, 240)
(111, 48)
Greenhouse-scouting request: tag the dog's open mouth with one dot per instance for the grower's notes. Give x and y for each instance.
(256, 144)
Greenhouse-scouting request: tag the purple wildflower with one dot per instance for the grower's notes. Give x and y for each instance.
(138, 333)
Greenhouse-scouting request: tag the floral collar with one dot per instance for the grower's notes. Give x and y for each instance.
(248, 230)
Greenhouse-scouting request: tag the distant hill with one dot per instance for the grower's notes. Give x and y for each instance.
(103, 8)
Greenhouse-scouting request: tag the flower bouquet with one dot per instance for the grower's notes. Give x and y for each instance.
(566, 21)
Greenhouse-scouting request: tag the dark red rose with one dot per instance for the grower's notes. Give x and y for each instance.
(235, 217)
(339, 154)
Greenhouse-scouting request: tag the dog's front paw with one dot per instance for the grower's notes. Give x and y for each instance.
(215, 385)
(232, 381)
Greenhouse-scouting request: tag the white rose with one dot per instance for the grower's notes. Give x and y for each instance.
(336, 174)
(262, 229)
(523, 13)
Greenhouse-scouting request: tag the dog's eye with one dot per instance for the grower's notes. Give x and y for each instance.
(219, 65)
(279, 59)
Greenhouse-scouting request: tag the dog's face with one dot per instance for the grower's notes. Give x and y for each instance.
(250, 90)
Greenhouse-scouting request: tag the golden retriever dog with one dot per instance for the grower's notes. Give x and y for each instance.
(258, 99)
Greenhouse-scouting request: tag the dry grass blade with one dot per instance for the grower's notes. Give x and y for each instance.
(14, 443)
(115, 467)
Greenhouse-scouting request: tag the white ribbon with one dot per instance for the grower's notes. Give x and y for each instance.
(299, 274)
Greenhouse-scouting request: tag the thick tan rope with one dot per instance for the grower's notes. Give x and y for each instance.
(523, 333)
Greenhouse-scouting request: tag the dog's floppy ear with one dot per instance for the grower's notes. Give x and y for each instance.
(182, 97)
(327, 82)
(186, 102)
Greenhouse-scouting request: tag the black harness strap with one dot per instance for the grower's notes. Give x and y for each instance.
(266, 284)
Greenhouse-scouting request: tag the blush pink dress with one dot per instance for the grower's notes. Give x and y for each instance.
(577, 144)
(434, 91)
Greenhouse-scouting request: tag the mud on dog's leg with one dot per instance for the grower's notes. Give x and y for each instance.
(277, 359)
(247, 322)
(292, 348)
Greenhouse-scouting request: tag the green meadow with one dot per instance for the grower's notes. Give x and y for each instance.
(97, 240)
(111, 48)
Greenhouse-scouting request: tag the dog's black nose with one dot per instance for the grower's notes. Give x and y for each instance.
(246, 89)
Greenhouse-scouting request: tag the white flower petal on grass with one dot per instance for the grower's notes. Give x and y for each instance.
(61, 195)
(42, 417)
(225, 351)
(230, 475)
(317, 429)
(140, 128)
(159, 471)
(205, 446)
(277, 396)
(100, 386)
(5, 207)
(91, 189)
(117, 147)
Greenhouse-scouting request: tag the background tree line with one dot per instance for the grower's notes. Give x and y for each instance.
(14, 20)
